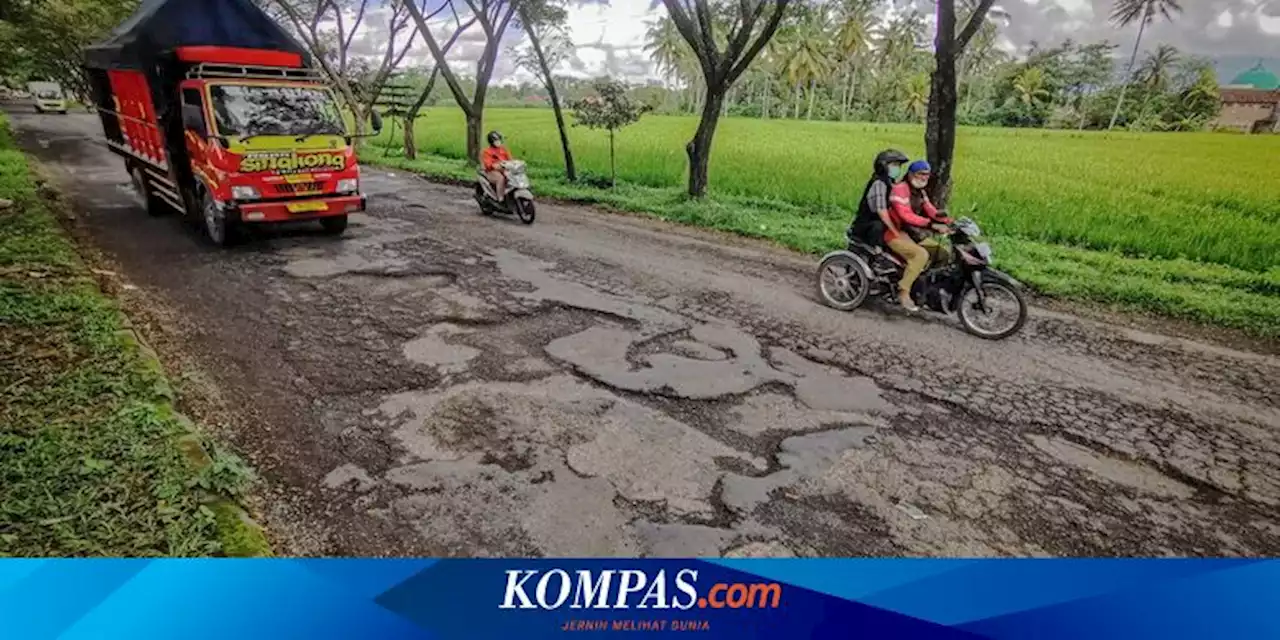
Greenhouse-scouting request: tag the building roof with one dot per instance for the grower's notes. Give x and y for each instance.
(1250, 96)
(1258, 77)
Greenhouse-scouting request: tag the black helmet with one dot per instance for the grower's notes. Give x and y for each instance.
(888, 157)
(495, 137)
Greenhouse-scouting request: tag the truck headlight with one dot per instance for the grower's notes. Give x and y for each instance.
(348, 185)
(245, 193)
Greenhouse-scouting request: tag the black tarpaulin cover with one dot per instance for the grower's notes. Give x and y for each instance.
(159, 26)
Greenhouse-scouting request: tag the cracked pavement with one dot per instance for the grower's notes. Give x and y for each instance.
(445, 384)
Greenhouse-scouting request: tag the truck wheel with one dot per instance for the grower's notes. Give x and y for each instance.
(154, 205)
(218, 228)
(334, 225)
(191, 199)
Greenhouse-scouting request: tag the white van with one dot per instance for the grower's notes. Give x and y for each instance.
(48, 97)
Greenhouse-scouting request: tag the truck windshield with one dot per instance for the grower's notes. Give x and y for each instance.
(255, 110)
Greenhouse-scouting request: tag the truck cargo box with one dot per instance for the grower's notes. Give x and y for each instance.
(135, 72)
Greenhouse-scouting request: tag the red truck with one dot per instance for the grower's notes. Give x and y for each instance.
(219, 116)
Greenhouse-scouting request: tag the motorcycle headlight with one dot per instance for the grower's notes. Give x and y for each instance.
(245, 193)
(348, 185)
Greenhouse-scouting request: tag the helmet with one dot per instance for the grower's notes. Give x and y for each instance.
(495, 137)
(920, 166)
(886, 158)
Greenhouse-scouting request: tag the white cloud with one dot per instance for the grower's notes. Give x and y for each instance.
(609, 35)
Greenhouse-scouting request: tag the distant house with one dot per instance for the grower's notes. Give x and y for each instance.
(1251, 103)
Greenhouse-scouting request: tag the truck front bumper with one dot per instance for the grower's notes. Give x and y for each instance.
(307, 209)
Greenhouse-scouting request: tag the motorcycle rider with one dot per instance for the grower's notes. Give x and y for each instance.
(873, 208)
(879, 219)
(491, 160)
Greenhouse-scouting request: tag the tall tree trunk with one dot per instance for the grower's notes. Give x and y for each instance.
(699, 149)
(845, 89)
(570, 172)
(798, 101)
(474, 125)
(968, 96)
(411, 117)
(410, 141)
(1128, 72)
(764, 99)
(939, 138)
(808, 115)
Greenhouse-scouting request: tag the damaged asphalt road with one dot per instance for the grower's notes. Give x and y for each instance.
(441, 383)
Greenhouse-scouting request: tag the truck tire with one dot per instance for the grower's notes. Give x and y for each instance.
(334, 225)
(155, 206)
(194, 214)
(221, 230)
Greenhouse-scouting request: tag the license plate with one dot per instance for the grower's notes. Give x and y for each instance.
(304, 207)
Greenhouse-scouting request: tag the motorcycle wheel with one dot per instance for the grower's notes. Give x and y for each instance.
(1004, 315)
(480, 198)
(525, 210)
(842, 283)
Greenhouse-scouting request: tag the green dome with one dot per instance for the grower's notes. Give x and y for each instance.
(1259, 78)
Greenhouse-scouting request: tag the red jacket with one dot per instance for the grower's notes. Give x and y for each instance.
(493, 156)
(902, 215)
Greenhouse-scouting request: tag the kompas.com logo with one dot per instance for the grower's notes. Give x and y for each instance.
(631, 589)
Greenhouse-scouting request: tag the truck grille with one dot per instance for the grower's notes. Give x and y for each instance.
(300, 187)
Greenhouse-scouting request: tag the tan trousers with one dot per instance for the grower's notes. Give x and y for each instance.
(917, 258)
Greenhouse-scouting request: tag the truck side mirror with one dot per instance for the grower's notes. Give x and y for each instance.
(193, 120)
(376, 119)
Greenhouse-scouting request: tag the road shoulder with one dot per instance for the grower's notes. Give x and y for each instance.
(95, 459)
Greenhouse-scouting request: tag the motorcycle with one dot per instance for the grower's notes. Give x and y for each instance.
(518, 199)
(989, 302)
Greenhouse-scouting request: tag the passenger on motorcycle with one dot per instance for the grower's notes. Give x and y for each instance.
(907, 231)
(880, 218)
(914, 192)
(491, 160)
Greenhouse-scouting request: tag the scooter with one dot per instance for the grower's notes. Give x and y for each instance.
(989, 302)
(518, 199)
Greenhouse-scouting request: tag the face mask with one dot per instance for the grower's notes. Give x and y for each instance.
(895, 171)
(919, 184)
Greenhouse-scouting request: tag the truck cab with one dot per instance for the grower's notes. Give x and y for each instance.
(267, 146)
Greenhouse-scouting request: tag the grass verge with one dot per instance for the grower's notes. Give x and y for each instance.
(1210, 294)
(92, 455)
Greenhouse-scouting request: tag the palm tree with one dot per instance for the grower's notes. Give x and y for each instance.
(809, 58)
(980, 60)
(1144, 13)
(1030, 85)
(1154, 72)
(672, 54)
(664, 42)
(854, 32)
(916, 96)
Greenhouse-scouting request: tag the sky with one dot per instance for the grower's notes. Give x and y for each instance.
(608, 35)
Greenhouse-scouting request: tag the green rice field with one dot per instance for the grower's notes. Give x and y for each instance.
(1179, 224)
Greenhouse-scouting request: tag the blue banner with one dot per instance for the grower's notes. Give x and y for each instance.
(547, 598)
